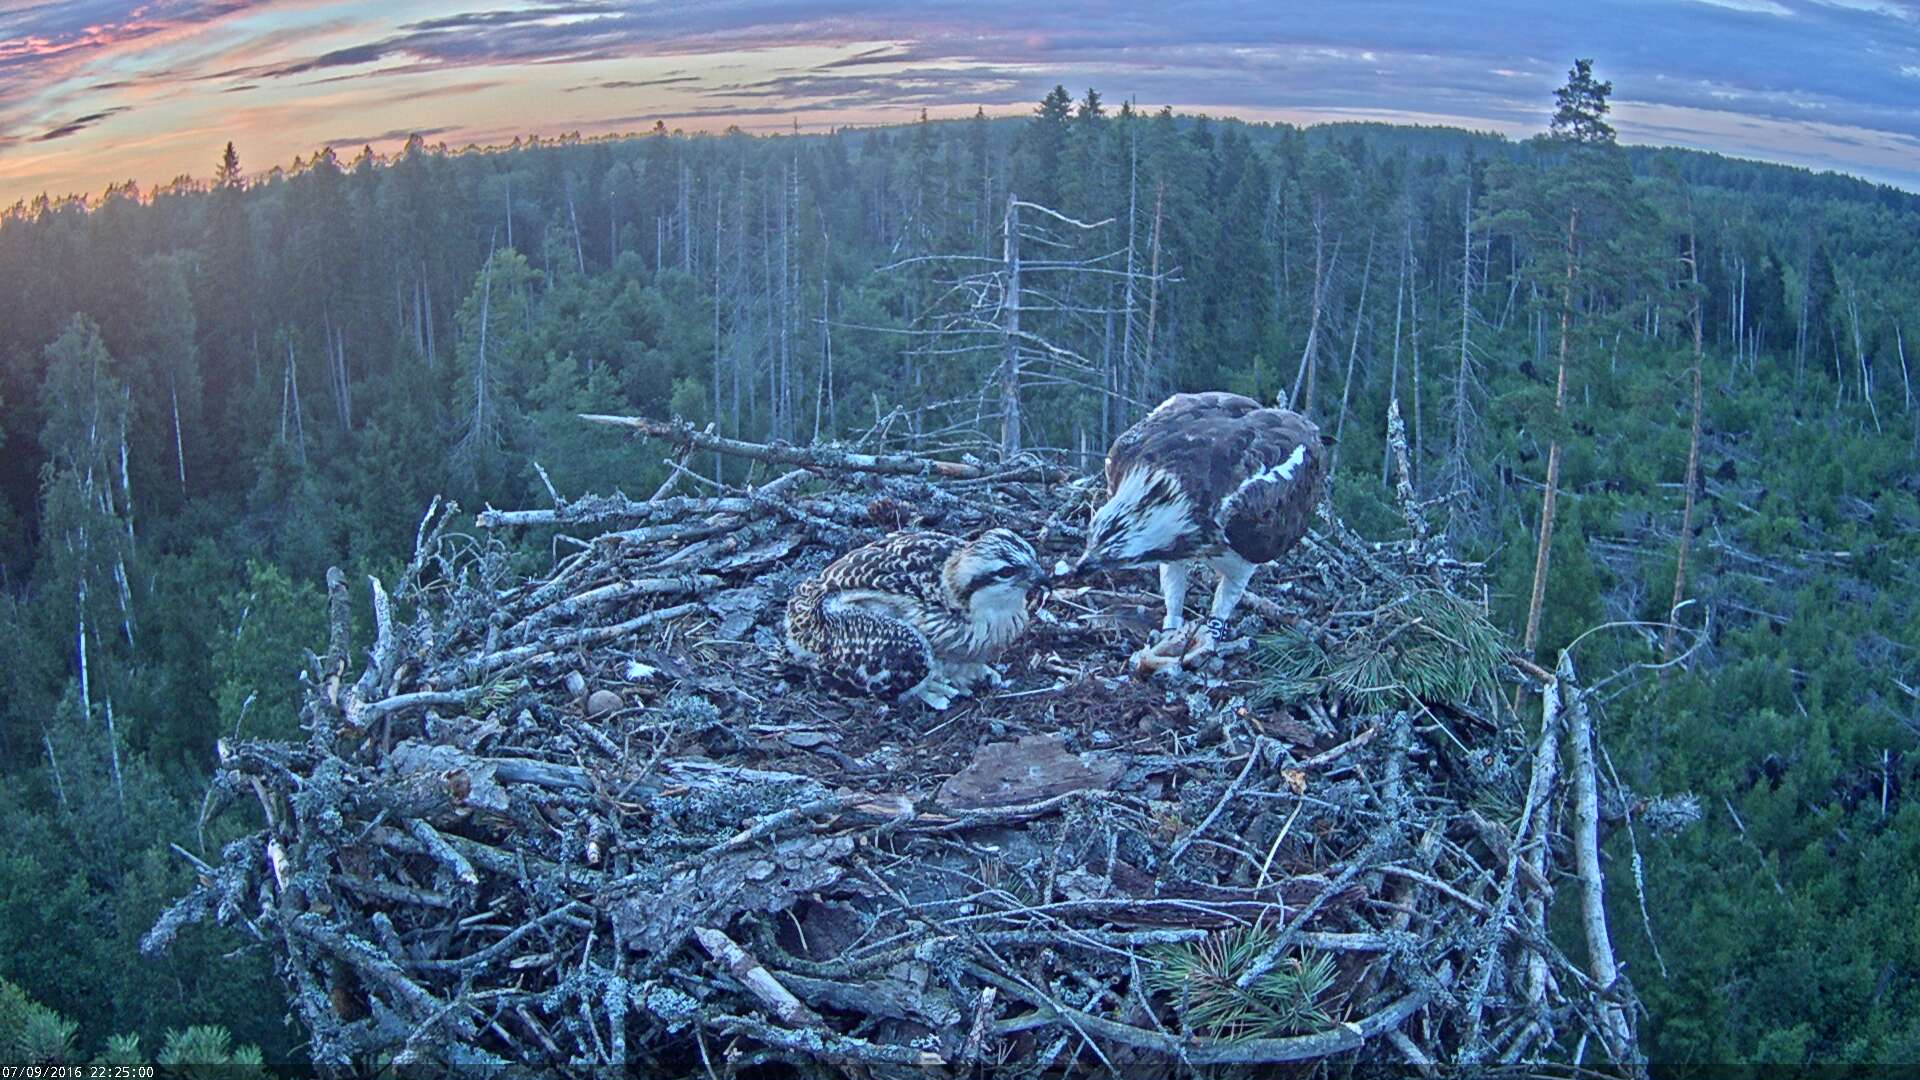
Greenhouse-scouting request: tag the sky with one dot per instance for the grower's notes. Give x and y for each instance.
(99, 91)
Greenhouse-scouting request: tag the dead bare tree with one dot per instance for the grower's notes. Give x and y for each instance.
(333, 348)
(1393, 379)
(1693, 454)
(1353, 352)
(1324, 266)
(1457, 473)
(1543, 552)
(1906, 380)
(1852, 295)
(1153, 288)
(1413, 320)
(1119, 382)
(292, 426)
(482, 436)
(1026, 312)
(1010, 364)
(573, 220)
(823, 394)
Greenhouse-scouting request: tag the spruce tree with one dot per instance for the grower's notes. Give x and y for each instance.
(227, 173)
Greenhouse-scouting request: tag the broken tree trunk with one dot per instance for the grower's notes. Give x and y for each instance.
(1692, 479)
(1543, 552)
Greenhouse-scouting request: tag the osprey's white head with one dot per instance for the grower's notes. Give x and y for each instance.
(1148, 518)
(996, 568)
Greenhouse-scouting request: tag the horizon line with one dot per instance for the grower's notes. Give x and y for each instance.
(790, 127)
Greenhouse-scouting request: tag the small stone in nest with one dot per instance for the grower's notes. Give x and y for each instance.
(889, 513)
(602, 702)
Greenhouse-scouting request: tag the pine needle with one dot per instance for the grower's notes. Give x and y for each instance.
(1201, 977)
(1427, 646)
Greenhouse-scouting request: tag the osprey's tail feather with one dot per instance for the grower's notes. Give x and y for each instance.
(869, 650)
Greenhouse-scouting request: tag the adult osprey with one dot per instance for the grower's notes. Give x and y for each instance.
(1212, 477)
(916, 614)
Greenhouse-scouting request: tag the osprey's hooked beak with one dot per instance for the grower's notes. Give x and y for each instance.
(1040, 585)
(1087, 564)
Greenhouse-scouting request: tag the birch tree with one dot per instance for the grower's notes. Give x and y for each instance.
(86, 515)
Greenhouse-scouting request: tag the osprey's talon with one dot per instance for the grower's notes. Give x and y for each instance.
(1201, 643)
(973, 674)
(1147, 663)
(936, 693)
(1156, 657)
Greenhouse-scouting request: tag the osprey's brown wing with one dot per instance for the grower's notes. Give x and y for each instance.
(1236, 461)
(905, 563)
(870, 650)
(1280, 468)
(866, 642)
(1179, 436)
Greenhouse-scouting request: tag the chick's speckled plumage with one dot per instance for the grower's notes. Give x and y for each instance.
(913, 611)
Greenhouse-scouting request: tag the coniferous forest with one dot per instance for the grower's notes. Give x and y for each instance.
(214, 390)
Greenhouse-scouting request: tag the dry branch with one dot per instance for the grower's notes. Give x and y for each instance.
(682, 434)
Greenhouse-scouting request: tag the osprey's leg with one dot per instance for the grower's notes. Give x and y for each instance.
(1234, 573)
(1173, 589)
(1164, 649)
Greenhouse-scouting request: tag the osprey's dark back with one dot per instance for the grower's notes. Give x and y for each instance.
(1251, 474)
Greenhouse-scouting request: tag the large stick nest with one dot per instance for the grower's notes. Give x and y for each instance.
(598, 816)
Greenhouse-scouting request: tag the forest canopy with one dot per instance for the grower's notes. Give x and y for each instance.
(210, 392)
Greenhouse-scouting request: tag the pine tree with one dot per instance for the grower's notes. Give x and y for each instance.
(1582, 110)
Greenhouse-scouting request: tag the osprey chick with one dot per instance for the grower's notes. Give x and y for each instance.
(1212, 477)
(916, 614)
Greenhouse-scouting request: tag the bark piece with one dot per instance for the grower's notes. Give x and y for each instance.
(1034, 768)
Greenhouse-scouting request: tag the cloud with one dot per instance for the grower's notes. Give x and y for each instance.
(921, 86)
(538, 13)
(636, 84)
(78, 124)
(1757, 7)
(1891, 9)
(1837, 71)
(386, 136)
(53, 54)
(347, 57)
